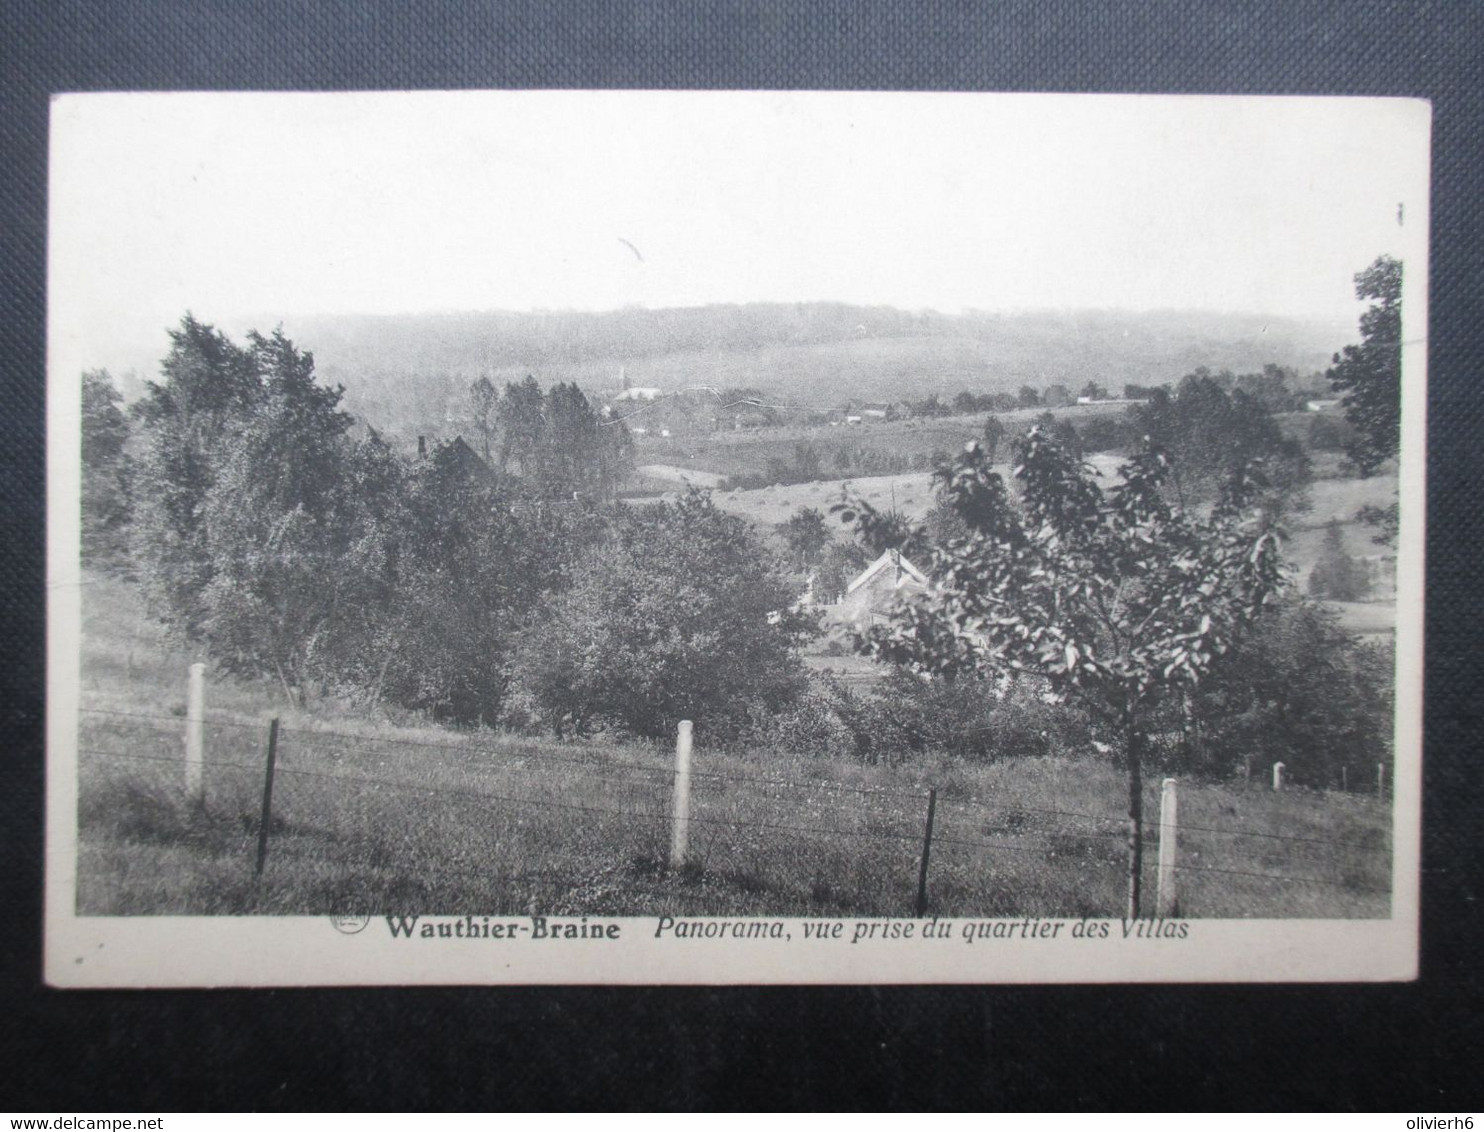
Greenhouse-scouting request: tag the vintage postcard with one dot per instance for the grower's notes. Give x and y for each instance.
(734, 537)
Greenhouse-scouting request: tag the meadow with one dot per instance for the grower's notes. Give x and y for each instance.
(380, 813)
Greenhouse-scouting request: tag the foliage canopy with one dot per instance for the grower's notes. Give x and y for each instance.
(1115, 598)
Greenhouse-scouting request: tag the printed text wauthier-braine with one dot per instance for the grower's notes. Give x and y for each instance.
(851, 931)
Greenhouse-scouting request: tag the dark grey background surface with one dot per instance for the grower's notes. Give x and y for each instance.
(1412, 1048)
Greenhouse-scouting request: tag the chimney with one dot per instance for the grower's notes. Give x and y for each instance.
(422, 447)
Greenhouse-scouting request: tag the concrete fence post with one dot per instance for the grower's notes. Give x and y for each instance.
(1167, 899)
(1278, 776)
(680, 807)
(195, 739)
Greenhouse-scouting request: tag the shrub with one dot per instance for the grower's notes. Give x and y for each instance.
(975, 719)
(814, 725)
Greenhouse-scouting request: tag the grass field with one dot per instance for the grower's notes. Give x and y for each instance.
(736, 452)
(911, 493)
(384, 815)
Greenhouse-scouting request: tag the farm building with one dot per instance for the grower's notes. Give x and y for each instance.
(869, 595)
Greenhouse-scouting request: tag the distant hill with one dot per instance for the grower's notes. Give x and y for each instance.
(414, 370)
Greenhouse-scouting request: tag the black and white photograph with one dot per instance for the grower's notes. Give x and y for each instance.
(734, 537)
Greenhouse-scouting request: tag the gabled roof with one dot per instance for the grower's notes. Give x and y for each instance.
(891, 560)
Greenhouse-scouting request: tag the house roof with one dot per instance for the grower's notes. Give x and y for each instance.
(892, 559)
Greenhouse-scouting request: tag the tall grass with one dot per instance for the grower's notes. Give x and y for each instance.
(382, 815)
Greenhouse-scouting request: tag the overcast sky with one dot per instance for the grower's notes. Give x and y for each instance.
(261, 206)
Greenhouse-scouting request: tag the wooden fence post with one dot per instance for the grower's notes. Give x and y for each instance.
(680, 806)
(1167, 899)
(195, 742)
(1345, 779)
(267, 817)
(1278, 776)
(927, 847)
(1380, 780)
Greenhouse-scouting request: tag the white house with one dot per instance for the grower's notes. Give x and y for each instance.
(869, 595)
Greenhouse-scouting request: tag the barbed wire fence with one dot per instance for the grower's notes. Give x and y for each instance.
(589, 824)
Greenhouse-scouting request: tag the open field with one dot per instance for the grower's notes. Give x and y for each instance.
(383, 815)
(911, 493)
(734, 452)
(1342, 498)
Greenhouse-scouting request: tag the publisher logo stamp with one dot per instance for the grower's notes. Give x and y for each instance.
(349, 925)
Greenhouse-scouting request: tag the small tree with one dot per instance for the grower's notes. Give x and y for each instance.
(209, 387)
(1299, 690)
(994, 432)
(107, 473)
(1093, 392)
(1209, 435)
(1336, 575)
(277, 519)
(1369, 376)
(678, 614)
(807, 535)
(1114, 599)
(484, 399)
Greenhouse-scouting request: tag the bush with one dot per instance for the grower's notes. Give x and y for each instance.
(974, 719)
(1328, 433)
(908, 718)
(814, 725)
(676, 612)
(1299, 690)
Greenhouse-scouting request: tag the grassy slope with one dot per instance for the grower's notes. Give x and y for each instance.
(374, 815)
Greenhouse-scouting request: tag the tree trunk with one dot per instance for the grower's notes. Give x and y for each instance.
(1135, 818)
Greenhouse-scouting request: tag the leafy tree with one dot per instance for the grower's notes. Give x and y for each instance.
(522, 422)
(1330, 433)
(473, 562)
(1299, 690)
(1210, 435)
(1056, 396)
(1065, 434)
(1113, 599)
(569, 459)
(1369, 375)
(210, 386)
(1386, 520)
(1094, 392)
(677, 614)
(993, 433)
(277, 521)
(1104, 432)
(930, 407)
(841, 563)
(107, 473)
(1271, 388)
(1029, 397)
(1336, 575)
(805, 466)
(559, 444)
(484, 400)
(942, 523)
(1135, 392)
(807, 534)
